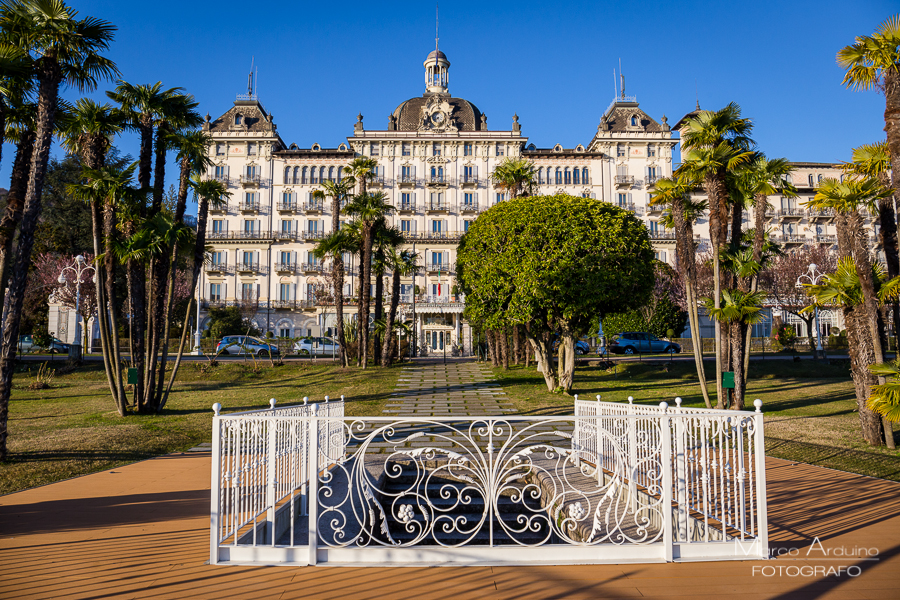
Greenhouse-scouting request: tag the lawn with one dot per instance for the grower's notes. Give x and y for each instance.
(72, 428)
(809, 406)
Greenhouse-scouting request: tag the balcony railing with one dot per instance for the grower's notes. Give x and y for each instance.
(247, 267)
(375, 181)
(249, 207)
(406, 207)
(219, 208)
(240, 235)
(662, 235)
(438, 180)
(826, 239)
(820, 213)
(651, 181)
(434, 236)
(638, 210)
(283, 304)
(791, 211)
(314, 207)
(313, 268)
(288, 206)
(407, 181)
(313, 235)
(219, 268)
(438, 207)
(624, 180)
(469, 208)
(213, 303)
(250, 179)
(222, 178)
(466, 181)
(286, 267)
(438, 268)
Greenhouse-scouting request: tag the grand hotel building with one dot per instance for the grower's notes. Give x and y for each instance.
(435, 157)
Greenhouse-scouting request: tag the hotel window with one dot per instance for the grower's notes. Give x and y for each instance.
(285, 257)
(284, 292)
(558, 176)
(620, 150)
(289, 199)
(238, 119)
(810, 180)
(217, 258)
(251, 148)
(500, 150)
(549, 175)
(623, 199)
(287, 226)
(437, 227)
(467, 149)
(584, 176)
(247, 291)
(651, 150)
(634, 120)
(437, 173)
(215, 292)
(330, 173)
(220, 172)
(406, 226)
(576, 179)
(218, 226)
(653, 226)
(660, 256)
(466, 224)
(250, 226)
(284, 332)
(406, 201)
(500, 197)
(220, 149)
(374, 149)
(469, 174)
(406, 149)
(250, 199)
(312, 226)
(312, 175)
(436, 149)
(469, 199)
(568, 176)
(540, 176)
(252, 171)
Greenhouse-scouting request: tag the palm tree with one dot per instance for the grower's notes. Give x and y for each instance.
(842, 289)
(885, 398)
(367, 209)
(65, 50)
(873, 61)
(339, 191)
(402, 264)
(761, 178)
(207, 192)
(515, 176)
(675, 194)
(335, 245)
(88, 131)
(873, 160)
(361, 169)
(387, 240)
(15, 82)
(717, 143)
(738, 310)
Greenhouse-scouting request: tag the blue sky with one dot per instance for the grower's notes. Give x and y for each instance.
(321, 63)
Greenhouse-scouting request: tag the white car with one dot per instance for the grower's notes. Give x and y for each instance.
(318, 346)
(245, 344)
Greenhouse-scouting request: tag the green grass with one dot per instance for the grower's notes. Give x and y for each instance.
(810, 407)
(72, 428)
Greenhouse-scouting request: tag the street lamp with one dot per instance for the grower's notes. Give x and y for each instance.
(78, 268)
(812, 278)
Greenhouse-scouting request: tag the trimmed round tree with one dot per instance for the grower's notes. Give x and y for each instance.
(553, 264)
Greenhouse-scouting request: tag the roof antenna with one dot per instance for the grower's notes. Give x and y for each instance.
(436, 23)
(256, 83)
(697, 93)
(615, 85)
(622, 75)
(250, 79)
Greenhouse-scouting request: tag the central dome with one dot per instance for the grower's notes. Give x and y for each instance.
(409, 114)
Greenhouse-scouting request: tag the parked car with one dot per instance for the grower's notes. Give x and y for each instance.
(634, 342)
(581, 347)
(318, 346)
(27, 344)
(245, 344)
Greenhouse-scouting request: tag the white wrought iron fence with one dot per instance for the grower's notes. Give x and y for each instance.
(306, 485)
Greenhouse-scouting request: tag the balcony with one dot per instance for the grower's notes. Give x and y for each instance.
(438, 268)
(469, 182)
(312, 234)
(283, 304)
(314, 207)
(247, 267)
(624, 181)
(662, 236)
(649, 182)
(249, 207)
(433, 236)
(285, 267)
(406, 207)
(826, 239)
(219, 268)
(220, 208)
(287, 207)
(224, 179)
(632, 208)
(212, 303)
(656, 208)
(240, 235)
(250, 180)
(791, 212)
(285, 235)
(437, 181)
(407, 181)
(792, 238)
(376, 182)
(434, 207)
(313, 268)
(469, 208)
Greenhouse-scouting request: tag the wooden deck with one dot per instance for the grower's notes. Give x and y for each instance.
(141, 531)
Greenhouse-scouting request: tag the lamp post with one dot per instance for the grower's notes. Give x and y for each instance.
(812, 277)
(78, 268)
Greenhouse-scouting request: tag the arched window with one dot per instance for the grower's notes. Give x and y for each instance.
(340, 172)
(313, 175)
(304, 177)
(634, 120)
(820, 178)
(584, 176)
(238, 119)
(321, 174)
(575, 176)
(540, 176)
(568, 176)
(330, 173)
(549, 176)
(287, 174)
(296, 174)
(558, 175)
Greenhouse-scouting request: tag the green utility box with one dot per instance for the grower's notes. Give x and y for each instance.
(133, 377)
(728, 380)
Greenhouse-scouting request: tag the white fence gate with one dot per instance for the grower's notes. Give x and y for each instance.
(614, 483)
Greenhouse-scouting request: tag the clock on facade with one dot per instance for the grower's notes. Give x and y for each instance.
(437, 118)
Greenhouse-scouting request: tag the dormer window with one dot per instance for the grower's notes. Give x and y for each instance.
(238, 119)
(634, 120)
(810, 180)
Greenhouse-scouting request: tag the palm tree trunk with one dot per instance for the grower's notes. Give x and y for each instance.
(105, 341)
(15, 200)
(109, 232)
(49, 76)
(339, 308)
(366, 282)
(861, 356)
(379, 310)
(717, 194)
(891, 89)
(739, 332)
(386, 353)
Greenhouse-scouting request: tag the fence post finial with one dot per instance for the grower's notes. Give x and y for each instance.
(678, 402)
(664, 406)
(598, 397)
(272, 403)
(305, 399)
(315, 408)
(342, 397)
(576, 397)
(326, 398)
(758, 404)
(216, 408)
(630, 400)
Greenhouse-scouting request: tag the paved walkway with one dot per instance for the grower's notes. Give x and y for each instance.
(435, 389)
(142, 531)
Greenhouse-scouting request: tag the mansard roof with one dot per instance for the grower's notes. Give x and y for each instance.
(409, 114)
(255, 119)
(617, 119)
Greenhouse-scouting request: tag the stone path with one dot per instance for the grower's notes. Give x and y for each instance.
(456, 388)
